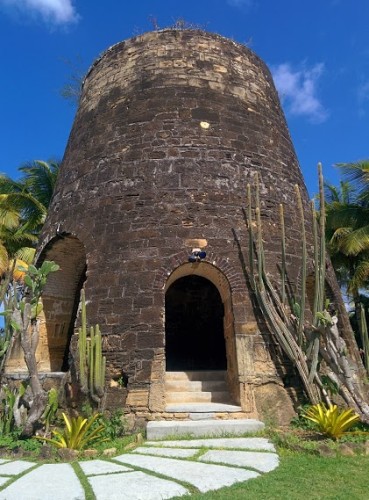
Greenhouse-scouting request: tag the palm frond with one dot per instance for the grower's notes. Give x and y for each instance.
(39, 180)
(360, 278)
(4, 259)
(357, 174)
(356, 241)
(26, 254)
(340, 215)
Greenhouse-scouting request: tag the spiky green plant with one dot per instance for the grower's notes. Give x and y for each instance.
(78, 433)
(332, 421)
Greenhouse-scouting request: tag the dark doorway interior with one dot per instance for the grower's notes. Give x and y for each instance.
(194, 326)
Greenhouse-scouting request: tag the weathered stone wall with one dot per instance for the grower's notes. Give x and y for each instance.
(170, 129)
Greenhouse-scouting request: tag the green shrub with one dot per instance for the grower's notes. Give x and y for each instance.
(114, 425)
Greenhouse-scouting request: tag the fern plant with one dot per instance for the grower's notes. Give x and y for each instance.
(78, 433)
(332, 421)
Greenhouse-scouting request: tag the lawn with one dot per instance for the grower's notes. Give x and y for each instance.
(302, 476)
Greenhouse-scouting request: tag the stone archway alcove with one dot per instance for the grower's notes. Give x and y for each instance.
(199, 322)
(60, 300)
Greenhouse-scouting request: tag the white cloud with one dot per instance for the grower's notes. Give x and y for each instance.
(51, 11)
(298, 91)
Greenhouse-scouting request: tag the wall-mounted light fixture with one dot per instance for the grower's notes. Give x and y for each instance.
(196, 255)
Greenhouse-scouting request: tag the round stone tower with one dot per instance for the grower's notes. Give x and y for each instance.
(171, 127)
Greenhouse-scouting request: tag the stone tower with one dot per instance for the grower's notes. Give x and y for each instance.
(171, 127)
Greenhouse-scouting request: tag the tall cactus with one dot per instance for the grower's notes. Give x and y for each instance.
(303, 256)
(272, 307)
(92, 364)
(320, 339)
(283, 255)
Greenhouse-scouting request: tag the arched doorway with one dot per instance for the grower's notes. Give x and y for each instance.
(194, 328)
(200, 348)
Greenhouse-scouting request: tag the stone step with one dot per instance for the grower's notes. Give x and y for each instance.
(197, 375)
(204, 408)
(196, 385)
(201, 428)
(197, 397)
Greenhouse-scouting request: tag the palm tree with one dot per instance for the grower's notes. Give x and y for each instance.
(347, 222)
(23, 208)
(347, 233)
(354, 213)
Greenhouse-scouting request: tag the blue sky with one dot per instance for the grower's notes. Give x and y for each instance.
(318, 51)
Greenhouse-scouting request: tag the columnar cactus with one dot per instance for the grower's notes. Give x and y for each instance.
(92, 364)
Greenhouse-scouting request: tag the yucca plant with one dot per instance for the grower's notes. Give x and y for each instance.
(78, 433)
(332, 421)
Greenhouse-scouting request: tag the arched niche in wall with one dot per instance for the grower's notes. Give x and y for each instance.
(60, 300)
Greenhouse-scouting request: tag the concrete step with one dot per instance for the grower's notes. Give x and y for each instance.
(197, 397)
(196, 386)
(196, 375)
(204, 408)
(201, 428)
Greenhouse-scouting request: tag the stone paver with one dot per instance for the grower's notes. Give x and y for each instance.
(167, 452)
(101, 467)
(51, 481)
(237, 443)
(228, 461)
(264, 462)
(134, 486)
(15, 468)
(205, 477)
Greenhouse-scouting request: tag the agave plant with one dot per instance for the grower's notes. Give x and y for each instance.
(332, 421)
(78, 433)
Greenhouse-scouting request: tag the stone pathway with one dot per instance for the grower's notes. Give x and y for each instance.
(155, 471)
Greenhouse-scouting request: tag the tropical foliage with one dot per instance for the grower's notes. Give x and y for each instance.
(331, 421)
(78, 433)
(347, 232)
(347, 228)
(23, 208)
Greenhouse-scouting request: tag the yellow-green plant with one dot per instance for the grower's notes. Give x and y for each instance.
(332, 421)
(78, 433)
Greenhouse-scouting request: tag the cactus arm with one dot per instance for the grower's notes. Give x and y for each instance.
(283, 252)
(322, 236)
(303, 277)
(82, 345)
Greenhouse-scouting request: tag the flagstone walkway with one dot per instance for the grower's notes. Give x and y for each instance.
(155, 471)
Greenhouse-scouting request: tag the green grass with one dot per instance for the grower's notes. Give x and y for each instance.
(302, 476)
